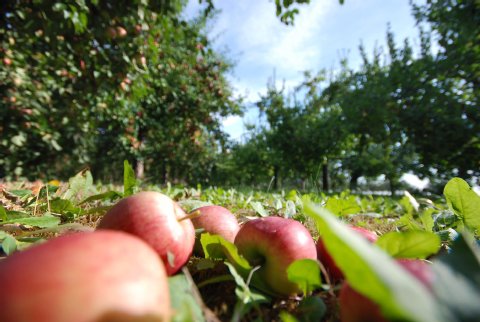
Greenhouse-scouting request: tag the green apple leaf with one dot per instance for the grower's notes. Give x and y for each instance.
(129, 180)
(44, 221)
(410, 244)
(343, 207)
(457, 283)
(216, 247)
(463, 201)
(375, 274)
(306, 274)
(108, 195)
(185, 308)
(258, 207)
(312, 308)
(9, 244)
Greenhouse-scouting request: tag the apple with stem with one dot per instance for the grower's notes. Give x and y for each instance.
(273, 243)
(216, 220)
(355, 307)
(327, 261)
(83, 277)
(158, 220)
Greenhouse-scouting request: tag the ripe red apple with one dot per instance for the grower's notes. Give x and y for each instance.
(324, 257)
(354, 307)
(159, 221)
(84, 277)
(274, 243)
(216, 220)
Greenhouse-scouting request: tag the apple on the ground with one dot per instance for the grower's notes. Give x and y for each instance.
(158, 220)
(84, 277)
(273, 243)
(326, 259)
(355, 307)
(216, 220)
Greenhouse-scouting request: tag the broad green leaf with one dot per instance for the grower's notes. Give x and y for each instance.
(373, 273)
(311, 309)
(216, 247)
(79, 185)
(409, 244)
(185, 308)
(191, 204)
(129, 180)
(457, 283)
(463, 201)
(42, 222)
(20, 193)
(287, 317)
(343, 207)
(9, 244)
(306, 274)
(258, 207)
(63, 206)
(109, 195)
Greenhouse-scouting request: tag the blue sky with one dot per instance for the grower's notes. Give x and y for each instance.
(253, 37)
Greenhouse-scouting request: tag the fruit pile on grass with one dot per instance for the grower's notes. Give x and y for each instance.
(217, 261)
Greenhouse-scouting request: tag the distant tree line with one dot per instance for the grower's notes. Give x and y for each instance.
(92, 83)
(404, 110)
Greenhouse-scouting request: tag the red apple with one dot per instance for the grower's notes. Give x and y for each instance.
(274, 243)
(159, 221)
(354, 307)
(83, 277)
(215, 220)
(324, 257)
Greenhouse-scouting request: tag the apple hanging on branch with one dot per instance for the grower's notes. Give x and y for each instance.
(273, 243)
(83, 277)
(158, 220)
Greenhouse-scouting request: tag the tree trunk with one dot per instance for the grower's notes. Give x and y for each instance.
(354, 180)
(139, 168)
(325, 179)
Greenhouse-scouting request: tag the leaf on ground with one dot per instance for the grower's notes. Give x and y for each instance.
(109, 195)
(79, 185)
(45, 221)
(9, 244)
(306, 274)
(457, 282)
(373, 273)
(463, 201)
(343, 207)
(410, 244)
(185, 307)
(259, 209)
(129, 180)
(216, 247)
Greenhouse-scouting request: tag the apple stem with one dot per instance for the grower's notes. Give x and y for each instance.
(191, 215)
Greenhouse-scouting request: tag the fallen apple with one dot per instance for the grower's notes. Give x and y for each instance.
(216, 220)
(84, 277)
(159, 221)
(273, 243)
(355, 307)
(327, 261)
